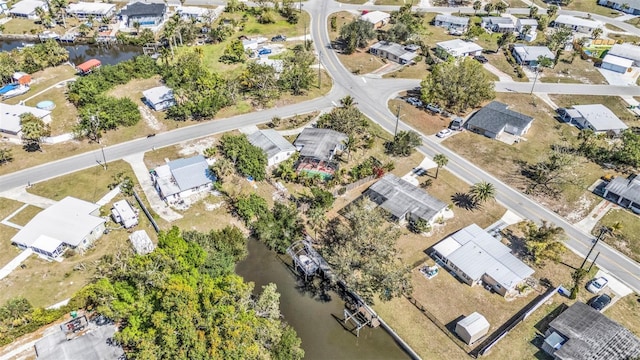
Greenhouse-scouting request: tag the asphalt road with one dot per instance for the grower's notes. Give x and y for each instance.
(371, 95)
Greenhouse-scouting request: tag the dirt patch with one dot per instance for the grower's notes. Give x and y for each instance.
(190, 148)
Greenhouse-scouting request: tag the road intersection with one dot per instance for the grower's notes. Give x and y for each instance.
(371, 96)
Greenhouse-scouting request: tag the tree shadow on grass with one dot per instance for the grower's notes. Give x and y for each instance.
(464, 201)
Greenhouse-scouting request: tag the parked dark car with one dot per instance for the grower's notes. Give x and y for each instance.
(279, 38)
(481, 59)
(600, 302)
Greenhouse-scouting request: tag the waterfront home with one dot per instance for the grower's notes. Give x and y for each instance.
(27, 9)
(144, 14)
(97, 10)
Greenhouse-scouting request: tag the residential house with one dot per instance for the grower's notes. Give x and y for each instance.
(404, 201)
(195, 13)
(617, 64)
(583, 333)
(457, 48)
(596, 117)
(21, 78)
(69, 223)
(628, 6)
(4, 8)
(521, 27)
(144, 14)
(452, 23)
(10, 117)
(141, 242)
(581, 25)
(27, 9)
(124, 214)
(274, 145)
(624, 192)
(159, 98)
(495, 119)
(529, 55)
(402, 54)
(626, 51)
(498, 24)
(182, 178)
(254, 43)
(472, 328)
(98, 10)
(377, 18)
(476, 257)
(317, 148)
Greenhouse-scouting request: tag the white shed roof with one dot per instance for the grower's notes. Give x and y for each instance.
(576, 21)
(375, 17)
(141, 242)
(158, 94)
(46, 243)
(90, 8)
(10, 116)
(600, 117)
(27, 7)
(69, 221)
(474, 323)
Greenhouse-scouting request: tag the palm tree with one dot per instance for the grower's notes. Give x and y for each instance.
(488, 8)
(533, 11)
(477, 5)
(441, 161)
(350, 144)
(482, 191)
(596, 33)
(222, 168)
(347, 101)
(525, 31)
(316, 219)
(500, 7)
(615, 228)
(552, 10)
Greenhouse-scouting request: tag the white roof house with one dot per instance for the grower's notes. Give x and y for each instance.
(626, 51)
(472, 328)
(451, 21)
(123, 213)
(377, 18)
(596, 117)
(70, 222)
(521, 23)
(476, 256)
(86, 9)
(274, 145)
(458, 48)
(617, 64)
(576, 23)
(528, 55)
(194, 12)
(159, 98)
(27, 8)
(141, 242)
(10, 117)
(182, 178)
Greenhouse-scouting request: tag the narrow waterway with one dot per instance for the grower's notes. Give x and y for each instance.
(108, 55)
(317, 322)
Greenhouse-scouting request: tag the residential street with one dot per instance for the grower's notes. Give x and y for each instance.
(371, 96)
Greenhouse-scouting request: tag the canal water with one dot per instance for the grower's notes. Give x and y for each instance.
(78, 54)
(318, 323)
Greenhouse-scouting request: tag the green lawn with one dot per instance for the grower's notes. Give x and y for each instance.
(25, 215)
(7, 251)
(628, 238)
(591, 6)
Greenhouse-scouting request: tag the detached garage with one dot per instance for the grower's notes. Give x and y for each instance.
(617, 64)
(472, 328)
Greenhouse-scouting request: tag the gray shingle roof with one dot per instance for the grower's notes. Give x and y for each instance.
(319, 144)
(270, 141)
(401, 198)
(495, 116)
(144, 9)
(627, 188)
(191, 172)
(591, 335)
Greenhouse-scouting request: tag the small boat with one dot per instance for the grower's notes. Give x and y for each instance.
(307, 264)
(16, 91)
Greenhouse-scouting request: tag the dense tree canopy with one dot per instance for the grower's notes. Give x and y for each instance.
(543, 242)
(279, 227)
(404, 143)
(362, 250)
(356, 34)
(248, 159)
(183, 302)
(457, 85)
(297, 75)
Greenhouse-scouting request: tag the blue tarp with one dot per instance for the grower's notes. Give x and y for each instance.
(5, 89)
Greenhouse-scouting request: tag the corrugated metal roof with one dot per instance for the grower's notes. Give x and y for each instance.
(628, 188)
(69, 220)
(270, 141)
(457, 20)
(480, 253)
(158, 94)
(191, 172)
(402, 198)
(600, 117)
(593, 336)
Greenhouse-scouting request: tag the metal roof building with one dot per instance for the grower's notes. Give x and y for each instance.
(85, 9)
(182, 177)
(319, 144)
(589, 335)
(402, 199)
(10, 117)
(141, 242)
(476, 256)
(70, 222)
(458, 48)
(624, 192)
(277, 148)
(529, 55)
(596, 117)
(626, 51)
(159, 97)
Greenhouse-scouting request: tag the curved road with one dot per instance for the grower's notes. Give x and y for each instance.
(372, 96)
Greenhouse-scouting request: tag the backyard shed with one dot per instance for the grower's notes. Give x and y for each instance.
(472, 328)
(141, 242)
(124, 214)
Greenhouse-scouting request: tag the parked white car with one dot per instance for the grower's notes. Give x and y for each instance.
(444, 133)
(596, 285)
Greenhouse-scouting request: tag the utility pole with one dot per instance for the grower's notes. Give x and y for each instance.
(395, 132)
(319, 69)
(104, 159)
(603, 231)
(534, 80)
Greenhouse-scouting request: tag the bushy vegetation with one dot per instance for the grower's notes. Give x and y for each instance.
(18, 317)
(624, 152)
(184, 301)
(247, 159)
(31, 59)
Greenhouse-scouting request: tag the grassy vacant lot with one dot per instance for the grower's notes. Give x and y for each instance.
(90, 184)
(421, 120)
(628, 238)
(578, 71)
(614, 103)
(500, 62)
(502, 160)
(361, 62)
(21, 26)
